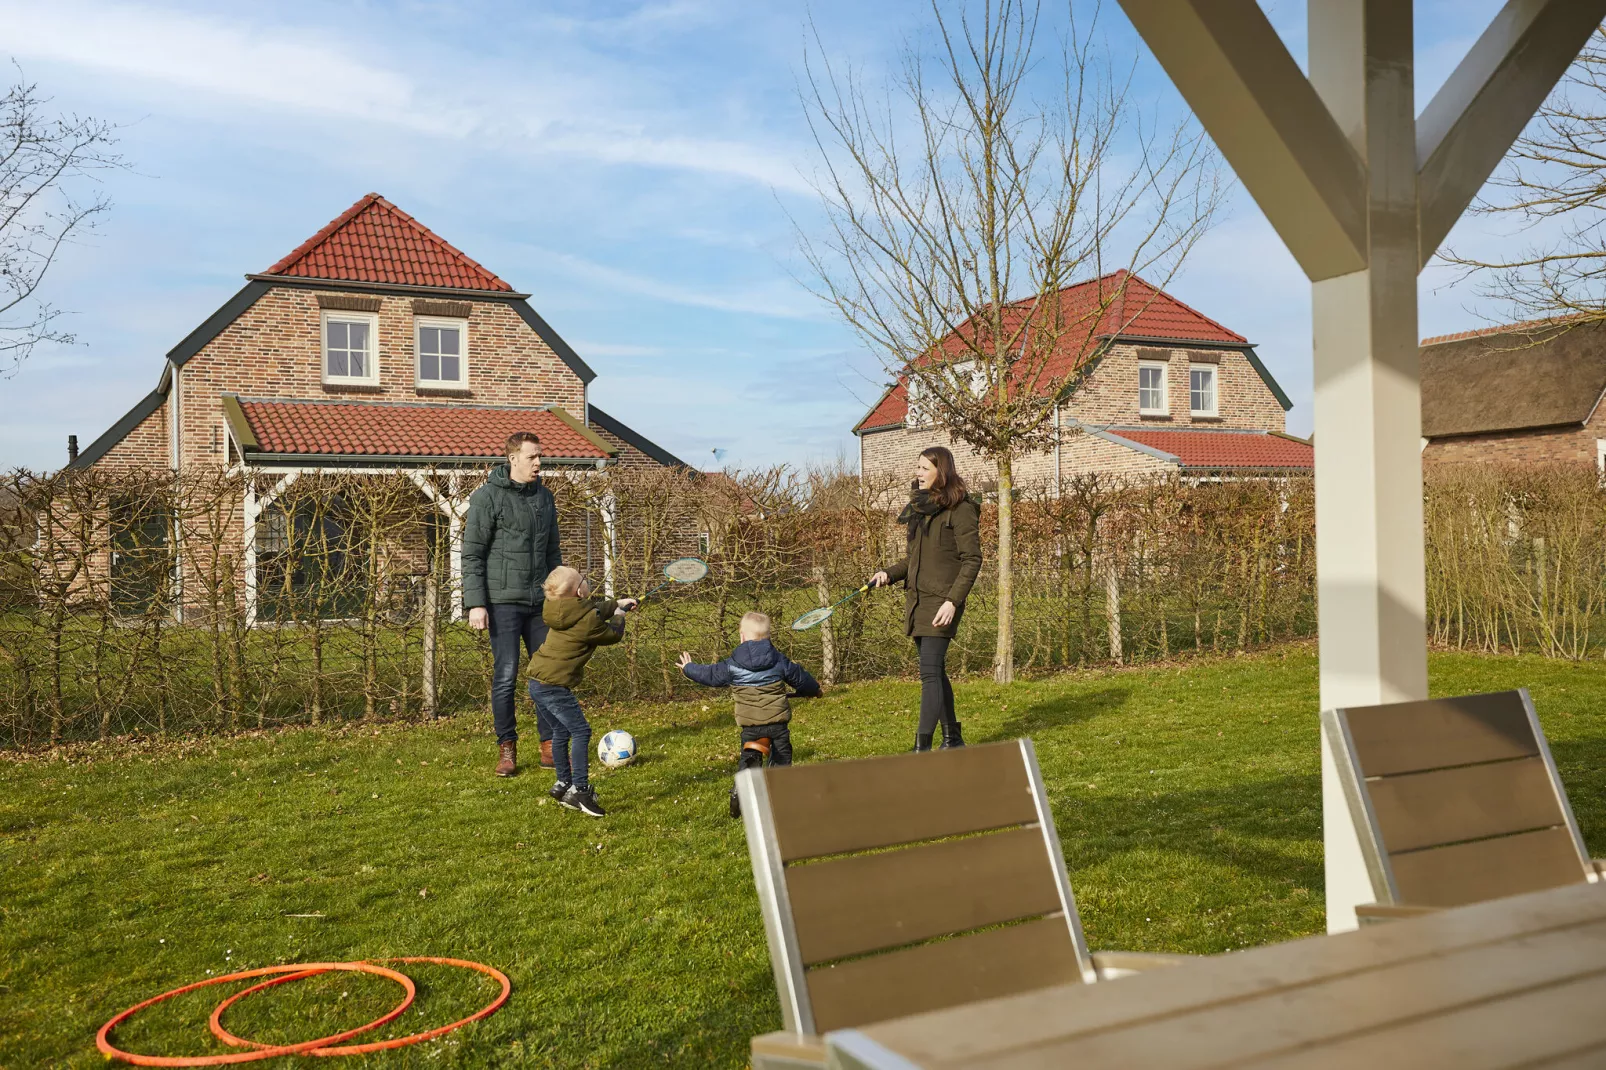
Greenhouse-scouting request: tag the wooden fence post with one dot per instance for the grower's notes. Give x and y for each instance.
(432, 609)
(827, 642)
(1112, 606)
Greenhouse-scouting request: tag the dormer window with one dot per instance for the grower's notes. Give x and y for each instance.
(350, 353)
(442, 348)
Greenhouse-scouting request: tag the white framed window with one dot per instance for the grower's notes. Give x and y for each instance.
(1202, 389)
(441, 351)
(1153, 393)
(351, 348)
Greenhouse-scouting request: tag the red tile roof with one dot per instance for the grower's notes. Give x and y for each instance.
(1222, 447)
(1138, 310)
(374, 241)
(358, 428)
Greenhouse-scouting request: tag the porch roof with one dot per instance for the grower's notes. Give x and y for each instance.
(297, 430)
(1218, 447)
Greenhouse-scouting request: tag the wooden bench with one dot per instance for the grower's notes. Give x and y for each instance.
(1455, 801)
(909, 883)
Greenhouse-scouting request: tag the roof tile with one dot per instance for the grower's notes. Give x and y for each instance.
(358, 429)
(1223, 447)
(374, 241)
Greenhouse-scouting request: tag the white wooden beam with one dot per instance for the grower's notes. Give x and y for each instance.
(1253, 100)
(1477, 114)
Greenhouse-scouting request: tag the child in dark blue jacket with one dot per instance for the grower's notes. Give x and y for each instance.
(758, 676)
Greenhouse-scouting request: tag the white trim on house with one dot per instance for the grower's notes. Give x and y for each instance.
(370, 376)
(1163, 368)
(420, 323)
(1212, 372)
(1600, 458)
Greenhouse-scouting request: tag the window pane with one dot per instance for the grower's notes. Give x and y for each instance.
(429, 366)
(1202, 392)
(359, 335)
(337, 362)
(358, 360)
(450, 369)
(1151, 388)
(448, 340)
(429, 340)
(337, 335)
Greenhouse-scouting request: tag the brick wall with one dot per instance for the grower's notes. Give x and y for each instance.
(1565, 445)
(275, 349)
(1110, 396)
(145, 447)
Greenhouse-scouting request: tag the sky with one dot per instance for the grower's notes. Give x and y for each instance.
(642, 169)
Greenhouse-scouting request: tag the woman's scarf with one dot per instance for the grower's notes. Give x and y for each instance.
(922, 503)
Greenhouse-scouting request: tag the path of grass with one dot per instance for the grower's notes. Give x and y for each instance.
(1187, 798)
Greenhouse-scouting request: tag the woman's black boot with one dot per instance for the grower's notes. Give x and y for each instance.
(950, 736)
(922, 741)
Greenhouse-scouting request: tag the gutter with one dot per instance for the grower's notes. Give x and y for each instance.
(387, 287)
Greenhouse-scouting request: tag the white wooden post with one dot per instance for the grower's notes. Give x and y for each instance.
(1362, 192)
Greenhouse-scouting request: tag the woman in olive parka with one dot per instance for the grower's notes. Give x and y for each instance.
(942, 562)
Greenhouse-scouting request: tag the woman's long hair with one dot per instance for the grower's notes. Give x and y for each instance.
(949, 487)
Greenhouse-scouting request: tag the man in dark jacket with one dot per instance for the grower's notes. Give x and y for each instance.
(510, 544)
(758, 676)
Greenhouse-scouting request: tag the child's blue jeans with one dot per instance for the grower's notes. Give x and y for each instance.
(571, 732)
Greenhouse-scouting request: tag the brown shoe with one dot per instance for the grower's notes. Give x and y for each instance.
(546, 754)
(508, 764)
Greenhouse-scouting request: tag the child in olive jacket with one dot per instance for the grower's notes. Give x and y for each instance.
(758, 676)
(577, 624)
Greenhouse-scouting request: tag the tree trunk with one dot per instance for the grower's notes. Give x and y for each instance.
(1004, 659)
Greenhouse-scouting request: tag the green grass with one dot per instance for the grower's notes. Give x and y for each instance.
(1187, 797)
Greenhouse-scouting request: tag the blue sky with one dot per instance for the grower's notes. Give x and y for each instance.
(636, 167)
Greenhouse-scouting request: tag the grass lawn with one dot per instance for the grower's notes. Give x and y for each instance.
(1187, 797)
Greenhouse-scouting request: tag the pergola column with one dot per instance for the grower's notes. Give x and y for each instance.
(1362, 192)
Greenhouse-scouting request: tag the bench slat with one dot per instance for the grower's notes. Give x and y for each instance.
(836, 807)
(1409, 737)
(998, 962)
(849, 906)
(1469, 803)
(1487, 869)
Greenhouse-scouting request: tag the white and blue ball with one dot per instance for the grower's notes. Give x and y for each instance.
(616, 749)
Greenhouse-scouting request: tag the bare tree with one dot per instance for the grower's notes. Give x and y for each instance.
(44, 162)
(959, 209)
(1554, 183)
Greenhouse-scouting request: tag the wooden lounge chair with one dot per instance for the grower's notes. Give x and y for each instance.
(909, 883)
(1455, 801)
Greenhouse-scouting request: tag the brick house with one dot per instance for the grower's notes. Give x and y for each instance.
(1524, 393)
(1167, 391)
(373, 347)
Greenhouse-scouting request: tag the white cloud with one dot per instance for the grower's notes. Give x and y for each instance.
(220, 63)
(780, 299)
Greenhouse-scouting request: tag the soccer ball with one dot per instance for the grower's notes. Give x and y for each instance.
(616, 749)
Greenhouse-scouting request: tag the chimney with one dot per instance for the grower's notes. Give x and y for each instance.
(72, 448)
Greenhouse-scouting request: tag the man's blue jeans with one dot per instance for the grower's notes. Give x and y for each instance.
(571, 732)
(511, 625)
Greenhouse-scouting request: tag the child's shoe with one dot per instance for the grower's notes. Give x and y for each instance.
(584, 801)
(558, 791)
(736, 804)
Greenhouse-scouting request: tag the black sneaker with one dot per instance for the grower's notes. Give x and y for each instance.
(558, 791)
(736, 804)
(585, 802)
